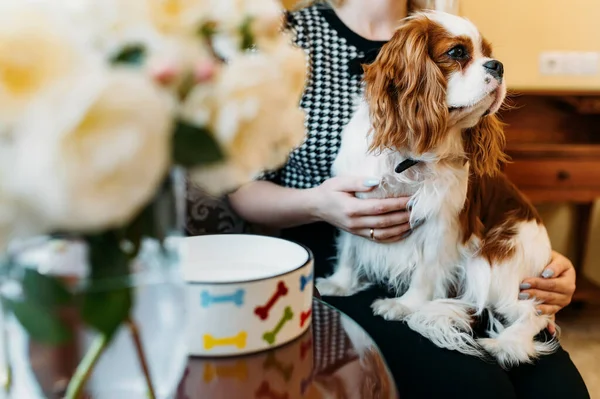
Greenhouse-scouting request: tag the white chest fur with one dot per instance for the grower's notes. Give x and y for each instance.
(437, 194)
(437, 190)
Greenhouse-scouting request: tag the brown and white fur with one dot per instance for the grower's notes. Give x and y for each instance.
(431, 95)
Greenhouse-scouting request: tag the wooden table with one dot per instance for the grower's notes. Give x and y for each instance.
(333, 359)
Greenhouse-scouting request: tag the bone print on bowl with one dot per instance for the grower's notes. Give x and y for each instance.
(246, 293)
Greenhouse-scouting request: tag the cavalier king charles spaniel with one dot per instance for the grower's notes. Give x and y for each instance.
(430, 100)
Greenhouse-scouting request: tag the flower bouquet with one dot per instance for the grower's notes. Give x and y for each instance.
(102, 104)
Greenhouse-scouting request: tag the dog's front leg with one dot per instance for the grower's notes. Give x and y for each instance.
(345, 280)
(420, 291)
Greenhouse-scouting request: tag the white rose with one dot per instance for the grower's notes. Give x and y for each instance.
(6, 216)
(171, 48)
(92, 152)
(17, 219)
(262, 19)
(37, 50)
(178, 17)
(109, 25)
(252, 108)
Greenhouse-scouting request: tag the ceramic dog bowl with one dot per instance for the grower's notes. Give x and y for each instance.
(245, 293)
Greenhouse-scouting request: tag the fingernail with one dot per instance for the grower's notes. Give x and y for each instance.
(525, 286)
(409, 204)
(523, 295)
(406, 233)
(539, 312)
(417, 223)
(548, 273)
(372, 182)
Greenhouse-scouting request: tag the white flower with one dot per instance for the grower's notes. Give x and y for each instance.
(177, 17)
(6, 217)
(233, 14)
(166, 31)
(110, 25)
(17, 219)
(37, 50)
(92, 152)
(262, 20)
(252, 108)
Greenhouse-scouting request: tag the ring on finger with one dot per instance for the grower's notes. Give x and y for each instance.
(372, 233)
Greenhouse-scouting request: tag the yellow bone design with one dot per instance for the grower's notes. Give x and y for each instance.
(238, 371)
(238, 341)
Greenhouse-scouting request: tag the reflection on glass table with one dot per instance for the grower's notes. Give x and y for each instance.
(334, 359)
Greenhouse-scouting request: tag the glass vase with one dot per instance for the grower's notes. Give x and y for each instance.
(57, 337)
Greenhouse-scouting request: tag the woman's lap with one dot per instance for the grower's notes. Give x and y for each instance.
(422, 370)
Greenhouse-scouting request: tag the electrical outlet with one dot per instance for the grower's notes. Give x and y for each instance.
(590, 63)
(551, 63)
(571, 63)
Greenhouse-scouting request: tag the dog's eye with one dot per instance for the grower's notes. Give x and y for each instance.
(458, 52)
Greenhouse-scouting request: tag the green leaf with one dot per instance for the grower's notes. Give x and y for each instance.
(207, 30)
(246, 33)
(107, 302)
(107, 259)
(41, 325)
(132, 54)
(43, 290)
(106, 310)
(145, 224)
(194, 146)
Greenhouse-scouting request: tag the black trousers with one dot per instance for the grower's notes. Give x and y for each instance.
(424, 371)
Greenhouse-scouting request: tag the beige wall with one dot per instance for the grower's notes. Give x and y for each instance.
(521, 29)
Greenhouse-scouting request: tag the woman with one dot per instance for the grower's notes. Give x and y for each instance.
(302, 199)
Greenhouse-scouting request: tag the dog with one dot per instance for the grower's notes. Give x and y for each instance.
(431, 98)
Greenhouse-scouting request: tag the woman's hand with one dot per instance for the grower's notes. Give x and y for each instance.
(555, 288)
(335, 202)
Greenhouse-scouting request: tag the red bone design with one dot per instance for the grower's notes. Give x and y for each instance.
(304, 316)
(305, 347)
(271, 362)
(264, 391)
(263, 311)
(304, 384)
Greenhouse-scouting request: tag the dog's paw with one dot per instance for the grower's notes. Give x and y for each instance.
(327, 287)
(509, 352)
(390, 309)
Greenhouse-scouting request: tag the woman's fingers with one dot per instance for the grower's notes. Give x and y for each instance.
(389, 234)
(375, 207)
(546, 297)
(382, 221)
(559, 285)
(557, 266)
(552, 325)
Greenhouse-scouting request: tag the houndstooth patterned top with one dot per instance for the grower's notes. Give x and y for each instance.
(334, 82)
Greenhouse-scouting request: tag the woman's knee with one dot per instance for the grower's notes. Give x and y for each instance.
(552, 376)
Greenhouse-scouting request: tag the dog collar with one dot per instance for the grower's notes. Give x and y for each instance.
(407, 163)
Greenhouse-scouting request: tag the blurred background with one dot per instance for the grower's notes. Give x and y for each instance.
(551, 54)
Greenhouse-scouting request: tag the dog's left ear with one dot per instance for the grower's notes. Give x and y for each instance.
(484, 146)
(406, 92)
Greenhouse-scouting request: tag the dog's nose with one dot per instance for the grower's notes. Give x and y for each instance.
(495, 68)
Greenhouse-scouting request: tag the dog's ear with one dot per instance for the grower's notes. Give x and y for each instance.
(484, 146)
(406, 92)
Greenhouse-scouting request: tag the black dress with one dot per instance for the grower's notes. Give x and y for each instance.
(421, 369)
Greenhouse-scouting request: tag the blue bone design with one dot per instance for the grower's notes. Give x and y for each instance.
(304, 280)
(237, 298)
